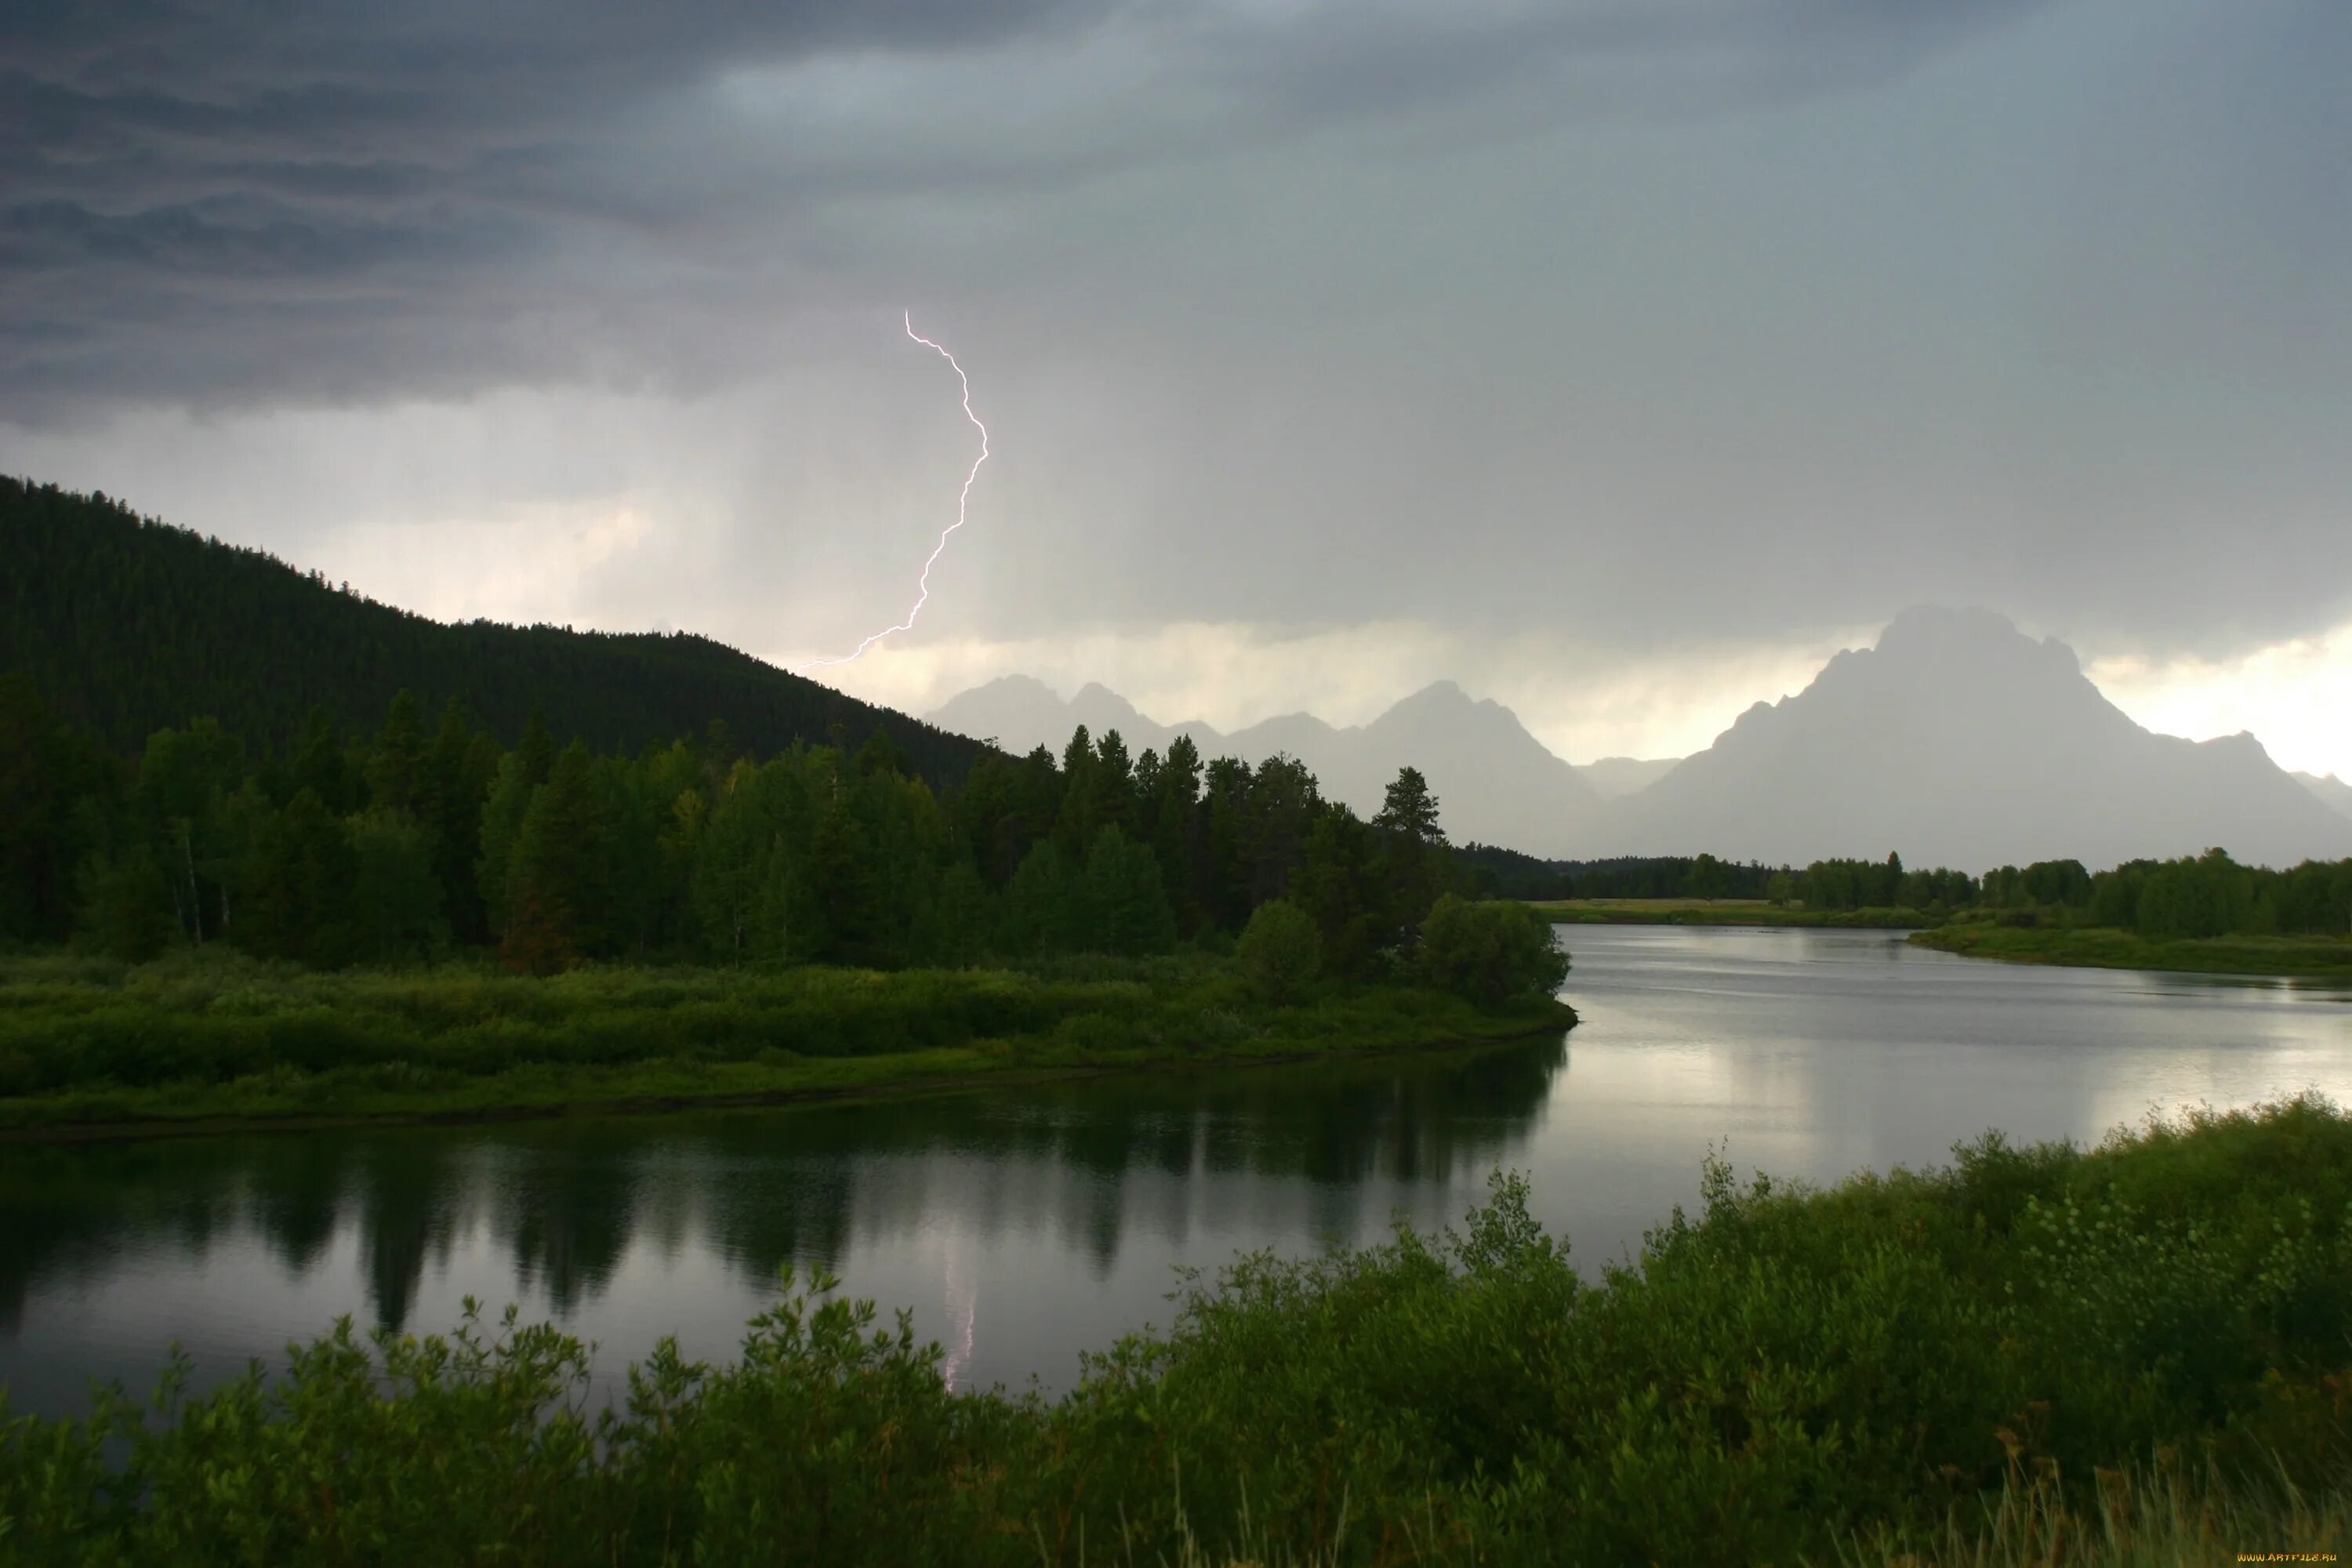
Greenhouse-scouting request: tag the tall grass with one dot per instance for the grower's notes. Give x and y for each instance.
(2160, 1515)
(2138, 1353)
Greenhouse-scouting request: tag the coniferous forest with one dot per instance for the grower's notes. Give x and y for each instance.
(426, 835)
(201, 749)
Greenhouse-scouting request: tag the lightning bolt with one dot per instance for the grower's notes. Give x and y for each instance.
(963, 502)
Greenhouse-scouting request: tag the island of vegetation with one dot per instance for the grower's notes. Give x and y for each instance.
(2129, 1355)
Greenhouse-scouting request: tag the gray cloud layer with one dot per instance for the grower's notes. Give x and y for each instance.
(215, 203)
(1761, 316)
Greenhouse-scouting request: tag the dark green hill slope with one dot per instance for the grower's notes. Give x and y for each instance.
(127, 625)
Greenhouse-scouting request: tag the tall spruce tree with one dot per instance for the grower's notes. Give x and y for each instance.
(557, 889)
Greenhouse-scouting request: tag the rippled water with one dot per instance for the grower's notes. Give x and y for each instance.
(1024, 1225)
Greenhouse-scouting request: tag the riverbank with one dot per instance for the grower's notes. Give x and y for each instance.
(2102, 947)
(2138, 1355)
(217, 1042)
(1720, 912)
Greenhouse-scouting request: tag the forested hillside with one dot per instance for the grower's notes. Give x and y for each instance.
(126, 625)
(193, 751)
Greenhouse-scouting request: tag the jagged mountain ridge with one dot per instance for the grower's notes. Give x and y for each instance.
(1955, 740)
(1497, 783)
(2328, 790)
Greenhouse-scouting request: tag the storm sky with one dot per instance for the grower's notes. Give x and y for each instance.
(1619, 359)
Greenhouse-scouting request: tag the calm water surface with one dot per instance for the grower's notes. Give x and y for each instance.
(1023, 1226)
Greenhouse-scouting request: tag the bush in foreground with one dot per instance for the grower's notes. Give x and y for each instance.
(1959, 1366)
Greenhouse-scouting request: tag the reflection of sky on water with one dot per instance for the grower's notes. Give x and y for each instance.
(1023, 1227)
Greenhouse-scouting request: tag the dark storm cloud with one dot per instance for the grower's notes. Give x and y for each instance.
(228, 203)
(1387, 59)
(249, 201)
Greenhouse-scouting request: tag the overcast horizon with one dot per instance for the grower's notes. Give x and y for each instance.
(1618, 362)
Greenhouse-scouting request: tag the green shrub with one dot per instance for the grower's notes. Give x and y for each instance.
(1493, 951)
(2033, 1355)
(1279, 951)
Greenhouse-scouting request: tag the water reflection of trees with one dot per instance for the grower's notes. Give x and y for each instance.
(68, 1214)
(567, 1200)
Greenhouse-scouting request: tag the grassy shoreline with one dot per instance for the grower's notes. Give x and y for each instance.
(2100, 947)
(1720, 912)
(195, 1044)
(2083, 1358)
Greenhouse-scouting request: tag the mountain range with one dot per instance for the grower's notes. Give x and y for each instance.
(1956, 740)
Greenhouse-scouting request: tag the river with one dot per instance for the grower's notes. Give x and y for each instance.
(1024, 1225)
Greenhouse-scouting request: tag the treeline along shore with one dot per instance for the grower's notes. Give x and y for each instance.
(2203, 913)
(423, 920)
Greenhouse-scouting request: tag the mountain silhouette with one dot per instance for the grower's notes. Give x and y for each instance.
(2329, 790)
(1022, 713)
(1496, 783)
(1612, 778)
(1959, 740)
(1955, 740)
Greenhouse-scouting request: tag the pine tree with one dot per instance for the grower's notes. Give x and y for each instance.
(395, 897)
(395, 771)
(730, 852)
(1113, 784)
(47, 774)
(453, 781)
(320, 765)
(1074, 823)
(1173, 806)
(500, 825)
(956, 923)
(1124, 908)
(538, 748)
(881, 755)
(1045, 907)
(557, 889)
(302, 887)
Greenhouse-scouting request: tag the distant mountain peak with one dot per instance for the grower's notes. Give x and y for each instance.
(1959, 740)
(1442, 702)
(1936, 633)
(1026, 685)
(1496, 783)
(1947, 620)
